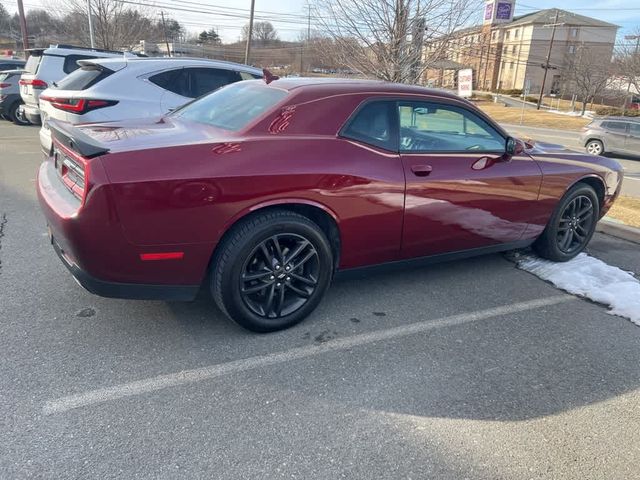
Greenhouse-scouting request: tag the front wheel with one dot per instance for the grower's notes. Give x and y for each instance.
(571, 226)
(595, 147)
(271, 271)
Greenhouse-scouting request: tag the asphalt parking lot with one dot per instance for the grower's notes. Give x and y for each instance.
(470, 369)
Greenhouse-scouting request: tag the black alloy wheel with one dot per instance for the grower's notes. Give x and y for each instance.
(280, 275)
(575, 224)
(571, 225)
(271, 270)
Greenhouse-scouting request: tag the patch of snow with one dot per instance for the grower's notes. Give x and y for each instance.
(591, 278)
(587, 114)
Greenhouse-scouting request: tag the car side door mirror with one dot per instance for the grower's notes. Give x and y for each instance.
(513, 147)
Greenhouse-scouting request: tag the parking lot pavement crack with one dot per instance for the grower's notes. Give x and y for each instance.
(3, 224)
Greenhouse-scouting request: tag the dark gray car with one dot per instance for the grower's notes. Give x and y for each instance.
(612, 135)
(10, 98)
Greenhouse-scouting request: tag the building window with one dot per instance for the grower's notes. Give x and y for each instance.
(572, 49)
(504, 51)
(574, 32)
(511, 66)
(507, 34)
(516, 33)
(494, 35)
(513, 49)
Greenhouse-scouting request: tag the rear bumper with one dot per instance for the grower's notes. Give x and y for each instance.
(125, 290)
(32, 113)
(45, 140)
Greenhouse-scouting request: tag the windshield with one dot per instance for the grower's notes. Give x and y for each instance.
(232, 107)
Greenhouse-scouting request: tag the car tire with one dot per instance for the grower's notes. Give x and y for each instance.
(571, 226)
(15, 117)
(271, 270)
(594, 147)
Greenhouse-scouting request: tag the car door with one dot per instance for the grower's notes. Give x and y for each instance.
(632, 144)
(463, 191)
(616, 135)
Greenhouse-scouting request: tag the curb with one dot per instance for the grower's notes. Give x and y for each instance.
(619, 230)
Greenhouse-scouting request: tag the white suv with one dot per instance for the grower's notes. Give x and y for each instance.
(46, 66)
(110, 89)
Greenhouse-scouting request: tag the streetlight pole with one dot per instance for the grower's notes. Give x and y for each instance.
(546, 65)
(635, 54)
(91, 36)
(247, 50)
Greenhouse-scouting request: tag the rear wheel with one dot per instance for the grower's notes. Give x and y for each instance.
(15, 116)
(595, 147)
(571, 226)
(271, 271)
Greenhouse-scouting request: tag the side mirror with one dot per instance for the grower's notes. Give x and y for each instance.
(513, 147)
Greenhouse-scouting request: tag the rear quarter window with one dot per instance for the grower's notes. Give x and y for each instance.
(615, 126)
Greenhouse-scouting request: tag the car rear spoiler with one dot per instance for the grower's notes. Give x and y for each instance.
(75, 139)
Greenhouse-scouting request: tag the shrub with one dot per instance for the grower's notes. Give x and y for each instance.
(531, 99)
(514, 92)
(616, 112)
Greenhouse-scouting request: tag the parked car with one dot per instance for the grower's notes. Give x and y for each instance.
(612, 135)
(10, 96)
(11, 64)
(266, 190)
(46, 66)
(122, 88)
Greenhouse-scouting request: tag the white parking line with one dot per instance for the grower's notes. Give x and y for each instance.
(160, 382)
(632, 178)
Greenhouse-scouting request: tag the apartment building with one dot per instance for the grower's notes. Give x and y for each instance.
(508, 52)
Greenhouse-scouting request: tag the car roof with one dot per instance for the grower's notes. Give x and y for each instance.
(619, 119)
(356, 85)
(13, 72)
(176, 61)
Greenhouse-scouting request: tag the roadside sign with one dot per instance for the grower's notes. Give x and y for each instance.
(465, 82)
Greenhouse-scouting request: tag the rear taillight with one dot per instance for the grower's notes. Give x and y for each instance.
(5, 85)
(35, 83)
(78, 106)
(73, 170)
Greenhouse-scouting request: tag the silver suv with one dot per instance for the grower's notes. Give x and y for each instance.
(612, 135)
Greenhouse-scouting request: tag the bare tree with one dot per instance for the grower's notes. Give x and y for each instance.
(116, 24)
(385, 38)
(627, 64)
(263, 33)
(588, 75)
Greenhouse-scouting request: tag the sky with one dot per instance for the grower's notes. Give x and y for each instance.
(290, 16)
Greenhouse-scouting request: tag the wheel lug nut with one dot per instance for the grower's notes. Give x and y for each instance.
(272, 277)
(277, 284)
(287, 268)
(288, 279)
(277, 267)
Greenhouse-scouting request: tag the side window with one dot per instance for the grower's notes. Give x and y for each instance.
(206, 80)
(372, 124)
(176, 81)
(635, 129)
(616, 127)
(430, 127)
(70, 62)
(249, 76)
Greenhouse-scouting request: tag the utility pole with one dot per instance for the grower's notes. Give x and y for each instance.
(164, 31)
(23, 28)
(247, 50)
(91, 36)
(546, 65)
(635, 54)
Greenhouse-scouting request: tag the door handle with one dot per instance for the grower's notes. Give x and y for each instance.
(421, 170)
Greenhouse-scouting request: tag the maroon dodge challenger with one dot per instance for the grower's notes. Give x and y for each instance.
(265, 189)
